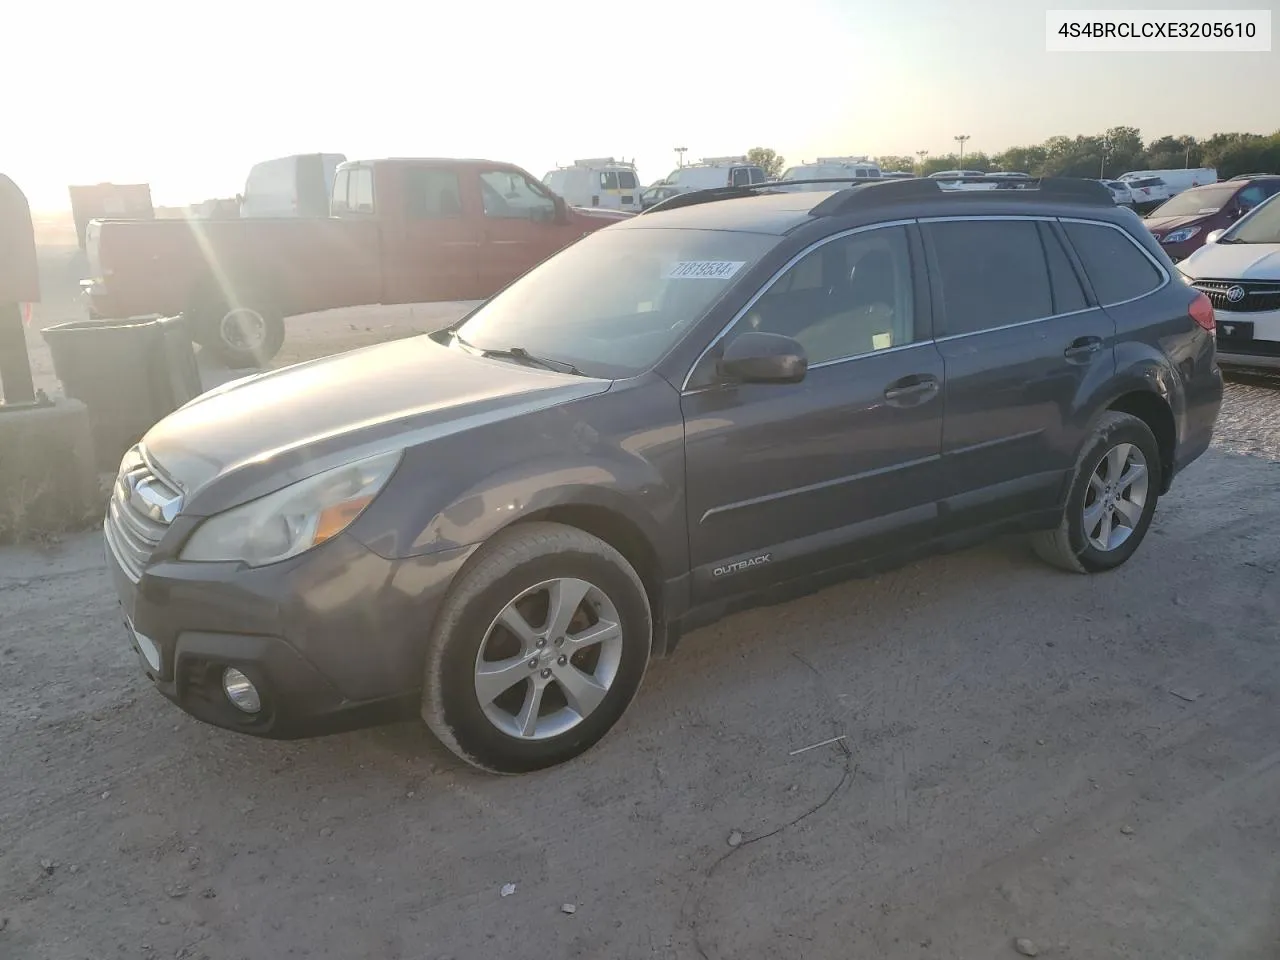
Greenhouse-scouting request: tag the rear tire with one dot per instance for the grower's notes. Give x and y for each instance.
(1112, 499)
(244, 330)
(538, 649)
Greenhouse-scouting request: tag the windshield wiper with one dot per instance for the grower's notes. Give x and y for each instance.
(1229, 240)
(524, 356)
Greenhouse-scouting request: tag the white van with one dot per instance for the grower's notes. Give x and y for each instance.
(1175, 181)
(832, 168)
(711, 172)
(599, 182)
(294, 186)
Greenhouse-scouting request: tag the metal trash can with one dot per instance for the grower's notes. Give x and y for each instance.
(129, 373)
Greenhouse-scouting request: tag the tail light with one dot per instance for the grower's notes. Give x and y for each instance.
(1201, 311)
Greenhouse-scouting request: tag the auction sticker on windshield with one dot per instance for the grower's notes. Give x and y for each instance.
(705, 269)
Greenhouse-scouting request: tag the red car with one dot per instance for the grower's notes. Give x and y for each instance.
(401, 231)
(1182, 222)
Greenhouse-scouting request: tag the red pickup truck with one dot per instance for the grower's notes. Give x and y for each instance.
(399, 231)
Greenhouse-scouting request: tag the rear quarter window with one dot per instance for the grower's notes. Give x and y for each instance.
(1117, 268)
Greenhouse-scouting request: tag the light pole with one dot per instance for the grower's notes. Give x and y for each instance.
(1106, 152)
(680, 152)
(960, 140)
(922, 154)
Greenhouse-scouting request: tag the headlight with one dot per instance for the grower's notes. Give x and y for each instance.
(1177, 236)
(286, 523)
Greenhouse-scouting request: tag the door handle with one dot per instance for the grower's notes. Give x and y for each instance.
(1083, 348)
(913, 388)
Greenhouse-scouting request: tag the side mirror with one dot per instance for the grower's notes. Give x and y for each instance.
(562, 209)
(1213, 236)
(763, 358)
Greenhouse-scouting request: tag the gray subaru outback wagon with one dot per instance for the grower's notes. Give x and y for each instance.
(739, 395)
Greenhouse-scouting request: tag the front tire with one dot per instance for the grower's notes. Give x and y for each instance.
(1112, 499)
(539, 647)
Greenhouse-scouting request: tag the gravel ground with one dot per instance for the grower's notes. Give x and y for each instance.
(1089, 763)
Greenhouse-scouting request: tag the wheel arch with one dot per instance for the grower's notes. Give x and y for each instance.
(625, 535)
(1153, 410)
(233, 280)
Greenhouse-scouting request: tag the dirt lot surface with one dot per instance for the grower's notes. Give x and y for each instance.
(1089, 763)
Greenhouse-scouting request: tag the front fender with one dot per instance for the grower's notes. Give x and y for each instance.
(622, 451)
(635, 493)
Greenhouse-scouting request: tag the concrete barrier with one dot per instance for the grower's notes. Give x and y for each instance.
(48, 484)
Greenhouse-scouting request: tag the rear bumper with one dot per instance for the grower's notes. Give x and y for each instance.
(1203, 404)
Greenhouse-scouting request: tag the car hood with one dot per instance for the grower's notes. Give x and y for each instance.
(1163, 224)
(1234, 261)
(253, 436)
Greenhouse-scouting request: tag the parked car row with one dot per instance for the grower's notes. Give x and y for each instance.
(1182, 223)
(1238, 268)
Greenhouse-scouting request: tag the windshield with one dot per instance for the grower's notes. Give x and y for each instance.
(1261, 226)
(615, 302)
(1200, 201)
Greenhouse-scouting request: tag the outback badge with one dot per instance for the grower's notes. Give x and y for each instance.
(738, 566)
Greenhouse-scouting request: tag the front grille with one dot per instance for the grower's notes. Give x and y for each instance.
(142, 506)
(1259, 295)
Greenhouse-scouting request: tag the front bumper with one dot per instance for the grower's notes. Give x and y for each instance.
(333, 639)
(1249, 340)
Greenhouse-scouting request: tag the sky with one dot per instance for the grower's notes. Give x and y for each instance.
(187, 95)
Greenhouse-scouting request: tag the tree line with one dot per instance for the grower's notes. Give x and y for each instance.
(1109, 154)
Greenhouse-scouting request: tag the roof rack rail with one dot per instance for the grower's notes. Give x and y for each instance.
(711, 194)
(712, 161)
(875, 192)
(842, 160)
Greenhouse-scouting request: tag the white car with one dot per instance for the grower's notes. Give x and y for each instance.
(1148, 191)
(1239, 269)
(832, 168)
(1120, 192)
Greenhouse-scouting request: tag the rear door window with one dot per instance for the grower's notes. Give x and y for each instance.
(1118, 270)
(993, 273)
(740, 177)
(609, 180)
(1068, 295)
(432, 194)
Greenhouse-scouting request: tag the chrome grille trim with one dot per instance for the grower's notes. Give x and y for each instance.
(143, 504)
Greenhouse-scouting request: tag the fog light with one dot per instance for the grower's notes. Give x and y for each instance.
(241, 691)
